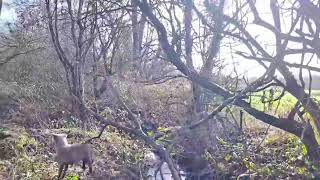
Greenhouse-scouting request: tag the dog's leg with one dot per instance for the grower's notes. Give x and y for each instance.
(84, 165)
(60, 170)
(90, 167)
(65, 170)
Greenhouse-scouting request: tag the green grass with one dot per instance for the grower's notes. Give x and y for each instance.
(316, 94)
(280, 107)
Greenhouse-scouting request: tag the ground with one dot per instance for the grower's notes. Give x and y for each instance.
(265, 152)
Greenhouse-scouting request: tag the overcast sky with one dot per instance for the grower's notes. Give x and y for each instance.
(267, 40)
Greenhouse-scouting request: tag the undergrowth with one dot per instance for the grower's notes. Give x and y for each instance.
(279, 156)
(29, 155)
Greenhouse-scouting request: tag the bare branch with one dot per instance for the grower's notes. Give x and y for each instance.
(294, 127)
(294, 65)
(9, 58)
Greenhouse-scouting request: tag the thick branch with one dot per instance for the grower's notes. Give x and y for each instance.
(292, 127)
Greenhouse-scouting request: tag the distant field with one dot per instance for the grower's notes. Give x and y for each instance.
(316, 94)
(279, 107)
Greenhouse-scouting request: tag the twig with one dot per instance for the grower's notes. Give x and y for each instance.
(100, 133)
(9, 58)
(255, 84)
(160, 80)
(265, 135)
(215, 112)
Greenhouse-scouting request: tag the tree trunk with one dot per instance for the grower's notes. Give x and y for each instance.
(312, 148)
(77, 93)
(308, 103)
(196, 103)
(308, 138)
(95, 83)
(135, 39)
(0, 6)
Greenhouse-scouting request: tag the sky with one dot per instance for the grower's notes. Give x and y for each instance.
(7, 13)
(243, 66)
(250, 67)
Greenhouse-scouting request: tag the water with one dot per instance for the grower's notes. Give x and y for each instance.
(154, 172)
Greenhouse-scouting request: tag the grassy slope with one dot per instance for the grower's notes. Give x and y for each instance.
(26, 154)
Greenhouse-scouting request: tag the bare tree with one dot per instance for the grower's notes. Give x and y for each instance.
(86, 26)
(289, 125)
(138, 25)
(82, 27)
(283, 49)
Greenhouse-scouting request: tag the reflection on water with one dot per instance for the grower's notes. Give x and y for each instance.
(157, 173)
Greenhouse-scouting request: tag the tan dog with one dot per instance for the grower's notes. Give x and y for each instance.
(67, 154)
